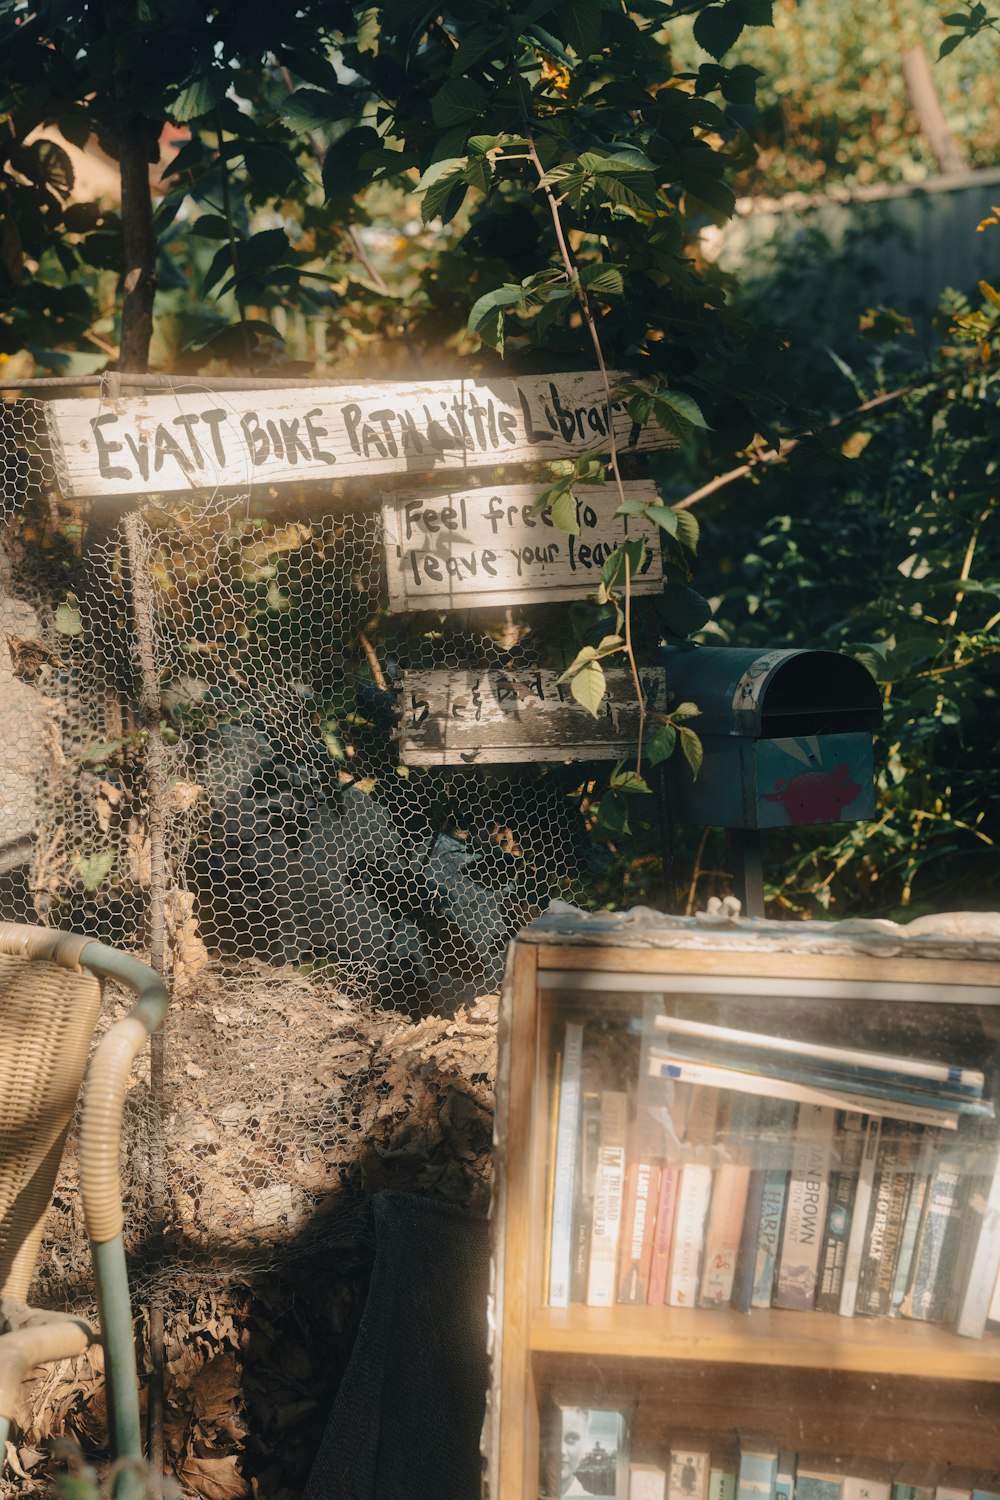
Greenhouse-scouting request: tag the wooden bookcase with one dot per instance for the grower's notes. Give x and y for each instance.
(886, 1388)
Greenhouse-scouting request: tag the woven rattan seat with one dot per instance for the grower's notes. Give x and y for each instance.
(50, 1000)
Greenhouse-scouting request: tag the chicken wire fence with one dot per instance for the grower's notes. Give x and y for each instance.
(198, 752)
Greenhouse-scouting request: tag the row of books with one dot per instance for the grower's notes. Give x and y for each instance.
(588, 1454)
(742, 1190)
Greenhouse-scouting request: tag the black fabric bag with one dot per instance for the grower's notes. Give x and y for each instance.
(406, 1420)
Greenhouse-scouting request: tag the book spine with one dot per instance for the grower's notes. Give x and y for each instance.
(666, 1207)
(693, 1193)
(746, 1257)
(890, 1194)
(609, 1187)
(680, 1071)
(641, 1184)
(911, 1224)
(756, 1475)
(942, 1072)
(646, 1482)
(769, 1241)
(784, 1479)
(805, 1213)
(565, 1166)
(724, 1227)
(843, 1186)
(859, 1219)
(583, 1204)
(937, 1243)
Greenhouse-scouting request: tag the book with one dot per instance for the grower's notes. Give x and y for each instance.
(868, 1479)
(642, 1181)
(911, 1223)
(723, 1466)
(859, 1220)
(956, 1484)
(819, 1478)
(588, 1145)
(916, 1480)
(550, 1196)
(663, 1232)
(646, 1482)
(727, 1207)
(937, 1241)
(805, 1209)
(858, 1059)
(895, 1162)
(983, 1213)
(586, 1454)
(840, 1207)
(784, 1479)
(758, 1467)
(777, 1133)
(565, 1165)
(689, 1468)
(987, 1487)
(693, 1193)
(664, 1065)
(609, 1188)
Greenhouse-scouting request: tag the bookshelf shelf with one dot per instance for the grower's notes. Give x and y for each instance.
(814, 1341)
(590, 1008)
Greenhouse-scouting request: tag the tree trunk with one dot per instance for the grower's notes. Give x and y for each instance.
(135, 136)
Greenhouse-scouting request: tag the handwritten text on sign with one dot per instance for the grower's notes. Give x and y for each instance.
(484, 547)
(497, 718)
(183, 441)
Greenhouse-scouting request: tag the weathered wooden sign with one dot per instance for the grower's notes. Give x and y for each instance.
(184, 441)
(477, 548)
(498, 718)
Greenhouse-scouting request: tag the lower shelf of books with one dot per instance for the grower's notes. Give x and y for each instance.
(772, 1336)
(890, 1431)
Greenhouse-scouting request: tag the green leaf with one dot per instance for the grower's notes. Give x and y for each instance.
(91, 870)
(628, 781)
(96, 755)
(710, 191)
(717, 28)
(563, 513)
(683, 611)
(444, 190)
(458, 102)
(210, 227)
(631, 187)
(671, 405)
(67, 617)
(605, 281)
(688, 529)
(313, 109)
(199, 98)
(366, 37)
(588, 687)
(583, 656)
(950, 43)
(660, 744)
(568, 180)
(692, 748)
(663, 516)
(580, 24)
(612, 812)
(486, 314)
(686, 710)
(343, 174)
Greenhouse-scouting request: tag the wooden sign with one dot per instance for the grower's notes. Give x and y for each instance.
(189, 441)
(498, 718)
(476, 548)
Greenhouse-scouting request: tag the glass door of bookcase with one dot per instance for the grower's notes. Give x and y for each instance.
(770, 1237)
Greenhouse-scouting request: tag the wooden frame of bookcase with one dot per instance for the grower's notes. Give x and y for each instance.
(898, 1389)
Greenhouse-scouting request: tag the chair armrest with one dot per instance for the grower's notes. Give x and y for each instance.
(45, 1338)
(100, 1127)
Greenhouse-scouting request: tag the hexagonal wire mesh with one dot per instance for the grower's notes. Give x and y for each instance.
(313, 890)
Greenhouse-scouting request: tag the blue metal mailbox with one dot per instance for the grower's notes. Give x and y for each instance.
(787, 737)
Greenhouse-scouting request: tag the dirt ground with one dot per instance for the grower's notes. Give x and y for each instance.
(286, 1106)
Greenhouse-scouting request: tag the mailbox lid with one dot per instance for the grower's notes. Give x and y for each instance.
(772, 694)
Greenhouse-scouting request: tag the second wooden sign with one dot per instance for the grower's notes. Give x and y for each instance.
(482, 548)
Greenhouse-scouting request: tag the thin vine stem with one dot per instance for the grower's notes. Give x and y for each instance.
(580, 293)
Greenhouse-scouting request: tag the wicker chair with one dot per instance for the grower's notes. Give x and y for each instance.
(50, 996)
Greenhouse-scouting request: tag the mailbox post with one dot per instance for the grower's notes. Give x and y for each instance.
(787, 737)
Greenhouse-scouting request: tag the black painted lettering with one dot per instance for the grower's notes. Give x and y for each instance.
(531, 432)
(494, 512)
(105, 449)
(432, 567)
(351, 414)
(508, 426)
(213, 419)
(166, 446)
(187, 421)
(140, 452)
(293, 441)
(412, 441)
(256, 437)
(316, 432)
(411, 517)
(384, 416)
(275, 436)
(370, 439)
(488, 560)
(565, 417)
